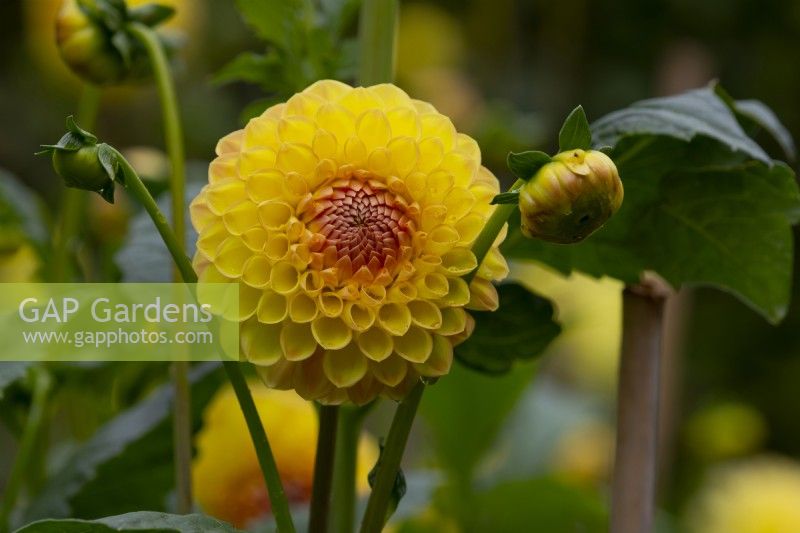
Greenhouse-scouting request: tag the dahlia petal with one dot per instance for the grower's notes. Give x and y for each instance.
(231, 256)
(391, 371)
(277, 247)
(256, 271)
(440, 360)
(296, 158)
(297, 129)
(494, 266)
(274, 215)
(260, 132)
(231, 143)
(404, 122)
(223, 194)
(403, 153)
(458, 202)
(255, 238)
(256, 159)
(433, 285)
(248, 302)
(328, 89)
(241, 217)
(272, 308)
(394, 318)
(284, 278)
(260, 343)
(355, 151)
(279, 375)
(336, 120)
(331, 333)
(458, 293)
(415, 345)
(375, 343)
(200, 214)
(297, 342)
(484, 295)
(209, 240)
(391, 95)
(324, 144)
(224, 167)
(357, 316)
(303, 104)
(265, 185)
(402, 292)
(462, 167)
(310, 380)
(303, 308)
(441, 239)
(436, 126)
(374, 130)
(425, 314)
(330, 304)
(459, 261)
(454, 320)
(359, 100)
(469, 228)
(345, 367)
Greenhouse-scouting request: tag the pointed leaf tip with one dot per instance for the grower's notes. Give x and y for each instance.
(575, 132)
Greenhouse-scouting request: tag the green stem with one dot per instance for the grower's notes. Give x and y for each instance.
(173, 134)
(483, 243)
(343, 498)
(389, 462)
(27, 446)
(73, 200)
(135, 186)
(377, 37)
(323, 469)
(375, 516)
(277, 497)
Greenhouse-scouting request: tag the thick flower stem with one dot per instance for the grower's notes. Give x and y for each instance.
(634, 482)
(277, 496)
(389, 462)
(27, 446)
(343, 498)
(173, 135)
(73, 200)
(323, 469)
(377, 38)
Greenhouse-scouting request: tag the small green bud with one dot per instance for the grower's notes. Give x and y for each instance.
(570, 197)
(83, 163)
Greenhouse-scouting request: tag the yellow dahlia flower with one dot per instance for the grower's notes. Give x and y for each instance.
(347, 216)
(757, 496)
(227, 479)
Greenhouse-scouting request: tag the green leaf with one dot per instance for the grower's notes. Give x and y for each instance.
(765, 118)
(520, 329)
(280, 22)
(139, 522)
(151, 14)
(575, 132)
(696, 214)
(684, 117)
(81, 133)
(464, 412)
(506, 198)
(553, 506)
(524, 165)
(11, 372)
(263, 69)
(128, 463)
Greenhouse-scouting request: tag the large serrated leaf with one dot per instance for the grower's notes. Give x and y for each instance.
(684, 117)
(520, 329)
(695, 213)
(138, 522)
(128, 463)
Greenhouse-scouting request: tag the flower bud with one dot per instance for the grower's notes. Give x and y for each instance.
(570, 197)
(85, 45)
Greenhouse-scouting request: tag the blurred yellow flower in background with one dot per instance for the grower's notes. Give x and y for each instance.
(760, 495)
(20, 264)
(725, 430)
(590, 311)
(584, 454)
(227, 478)
(40, 37)
(347, 216)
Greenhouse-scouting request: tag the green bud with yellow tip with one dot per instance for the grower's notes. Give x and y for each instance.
(570, 197)
(94, 40)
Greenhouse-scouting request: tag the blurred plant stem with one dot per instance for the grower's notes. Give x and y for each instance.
(29, 444)
(343, 498)
(323, 469)
(378, 38)
(277, 496)
(73, 201)
(633, 488)
(173, 134)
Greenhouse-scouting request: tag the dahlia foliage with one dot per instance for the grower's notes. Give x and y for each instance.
(347, 216)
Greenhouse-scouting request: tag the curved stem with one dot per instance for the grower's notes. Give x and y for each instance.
(173, 135)
(389, 462)
(73, 200)
(323, 469)
(27, 446)
(343, 498)
(277, 496)
(483, 243)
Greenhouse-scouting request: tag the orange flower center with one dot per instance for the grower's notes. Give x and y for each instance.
(359, 227)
